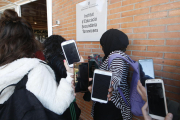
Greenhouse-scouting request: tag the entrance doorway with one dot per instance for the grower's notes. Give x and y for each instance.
(36, 14)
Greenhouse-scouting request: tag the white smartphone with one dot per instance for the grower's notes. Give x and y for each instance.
(100, 86)
(146, 70)
(156, 98)
(70, 52)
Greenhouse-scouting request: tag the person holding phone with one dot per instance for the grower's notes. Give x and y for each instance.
(173, 107)
(54, 56)
(17, 48)
(114, 41)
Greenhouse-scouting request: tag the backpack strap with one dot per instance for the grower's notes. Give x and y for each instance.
(130, 61)
(7, 87)
(21, 83)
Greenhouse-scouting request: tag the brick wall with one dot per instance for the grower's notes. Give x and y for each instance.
(153, 28)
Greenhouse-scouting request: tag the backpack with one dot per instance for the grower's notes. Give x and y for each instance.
(136, 101)
(23, 105)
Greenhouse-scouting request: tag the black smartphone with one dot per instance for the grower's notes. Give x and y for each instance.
(101, 84)
(146, 70)
(156, 98)
(81, 76)
(70, 52)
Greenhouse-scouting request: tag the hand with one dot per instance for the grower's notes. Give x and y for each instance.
(142, 91)
(110, 90)
(68, 69)
(169, 116)
(82, 59)
(73, 84)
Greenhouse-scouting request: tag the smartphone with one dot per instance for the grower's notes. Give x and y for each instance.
(70, 52)
(100, 86)
(156, 98)
(146, 70)
(81, 76)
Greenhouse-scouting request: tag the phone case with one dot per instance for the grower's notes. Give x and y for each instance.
(81, 77)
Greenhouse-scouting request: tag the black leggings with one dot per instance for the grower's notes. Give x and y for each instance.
(107, 112)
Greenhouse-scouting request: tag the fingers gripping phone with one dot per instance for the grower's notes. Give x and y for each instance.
(156, 98)
(70, 52)
(81, 76)
(100, 86)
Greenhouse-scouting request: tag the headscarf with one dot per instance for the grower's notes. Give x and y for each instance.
(112, 40)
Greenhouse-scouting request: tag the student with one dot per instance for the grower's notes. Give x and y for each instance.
(17, 48)
(173, 107)
(54, 56)
(114, 41)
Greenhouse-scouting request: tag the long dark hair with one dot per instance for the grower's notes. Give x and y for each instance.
(52, 46)
(16, 38)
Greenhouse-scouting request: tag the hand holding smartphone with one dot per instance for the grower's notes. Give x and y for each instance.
(100, 86)
(156, 98)
(70, 52)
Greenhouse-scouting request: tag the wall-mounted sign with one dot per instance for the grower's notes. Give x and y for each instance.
(91, 20)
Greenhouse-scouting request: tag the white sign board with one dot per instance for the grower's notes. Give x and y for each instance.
(91, 20)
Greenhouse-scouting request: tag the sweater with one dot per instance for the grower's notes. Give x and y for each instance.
(41, 82)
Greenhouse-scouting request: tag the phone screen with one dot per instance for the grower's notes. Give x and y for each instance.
(81, 77)
(71, 53)
(100, 86)
(156, 99)
(146, 70)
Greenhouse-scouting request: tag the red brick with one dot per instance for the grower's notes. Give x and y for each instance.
(113, 26)
(137, 36)
(173, 27)
(165, 7)
(92, 46)
(135, 58)
(172, 89)
(163, 49)
(167, 62)
(114, 1)
(97, 50)
(121, 9)
(126, 2)
(114, 5)
(172, 42)
(171, 82)
(165, 35)
(150, 16)
(83, 42)
(172, 95)
(80, 46)
(134, 24)
(84, 50)
(135, 12)
(157, 67)
(128, 52)
(171, 69)
(121, 20)
(133, 47)
(172, 56)
(147, 54)
(174, 12)
(148, 42)
(96, 43)
(150, 29)
(167, 75)
(81, 53)
(126, 30)
(113, 16)
(165, 21)
(150, 3)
